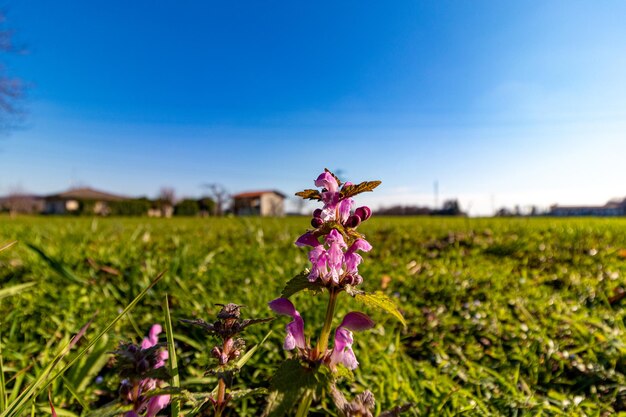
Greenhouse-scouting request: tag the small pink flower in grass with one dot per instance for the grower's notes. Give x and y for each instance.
(342, 350)
(152, 340)
(295, 329)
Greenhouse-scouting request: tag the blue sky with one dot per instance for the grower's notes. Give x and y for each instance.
(502, 103)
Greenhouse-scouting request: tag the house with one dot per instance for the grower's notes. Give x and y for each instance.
(259, 203)
(80, 200)
(611, 208)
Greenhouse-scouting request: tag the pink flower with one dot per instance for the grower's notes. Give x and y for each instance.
(353, 259)
(152, 340)
(295, 329)
(326, 180)
(335, 254)
(156, 404)
(319, 264)
(345, 206)
(342, 350)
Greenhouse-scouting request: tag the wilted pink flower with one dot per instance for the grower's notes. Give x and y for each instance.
(295, 329)
(342, 350)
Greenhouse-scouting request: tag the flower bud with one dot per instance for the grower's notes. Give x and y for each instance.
(317, 213)
(316, 222)
(353, 221)
(363, 212)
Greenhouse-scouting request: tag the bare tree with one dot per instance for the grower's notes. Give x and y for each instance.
(20, 202)
(166, 201)
(220, 195)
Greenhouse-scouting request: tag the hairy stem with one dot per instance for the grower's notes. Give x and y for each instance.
(322, 345)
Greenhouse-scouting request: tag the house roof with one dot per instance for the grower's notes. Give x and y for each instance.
(256, 194)
(85, 193)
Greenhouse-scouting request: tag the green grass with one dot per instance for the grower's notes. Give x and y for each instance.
(505, 317)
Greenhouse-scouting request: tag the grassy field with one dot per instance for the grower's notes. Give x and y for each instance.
(505, 317)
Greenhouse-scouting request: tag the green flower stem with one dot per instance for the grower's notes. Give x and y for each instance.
(322, 345)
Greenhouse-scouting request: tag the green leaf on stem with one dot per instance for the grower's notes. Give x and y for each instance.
(351, 190)
(377, 300)
(290, 382)
(309, 194)
(300, 283)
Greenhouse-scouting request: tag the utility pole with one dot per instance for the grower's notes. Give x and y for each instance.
(436, 192)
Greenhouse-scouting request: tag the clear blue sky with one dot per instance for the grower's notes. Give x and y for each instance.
(502, 102)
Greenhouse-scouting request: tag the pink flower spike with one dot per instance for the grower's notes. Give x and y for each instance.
(357, 322)
(153, 337)
(156, 404)
(295, 329)
(307, 239)
(326, 180)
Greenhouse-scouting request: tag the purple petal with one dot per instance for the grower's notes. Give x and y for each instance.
(319, 260)
(343, 338)
(307, 239)
(327, 181)
(153, 337)
(335, 237)
(131, 414)
(295, 334)
(343, 341)
(356, 322)
(283, 306)
(360, 244)
(352, 261)
(345, 206)
(156, 404)
(349, 360)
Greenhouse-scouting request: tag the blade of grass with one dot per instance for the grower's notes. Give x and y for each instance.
(72, 391)
(15, 289)
(57, 266)
(7, 245)
(173, 363)
(21, 403)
